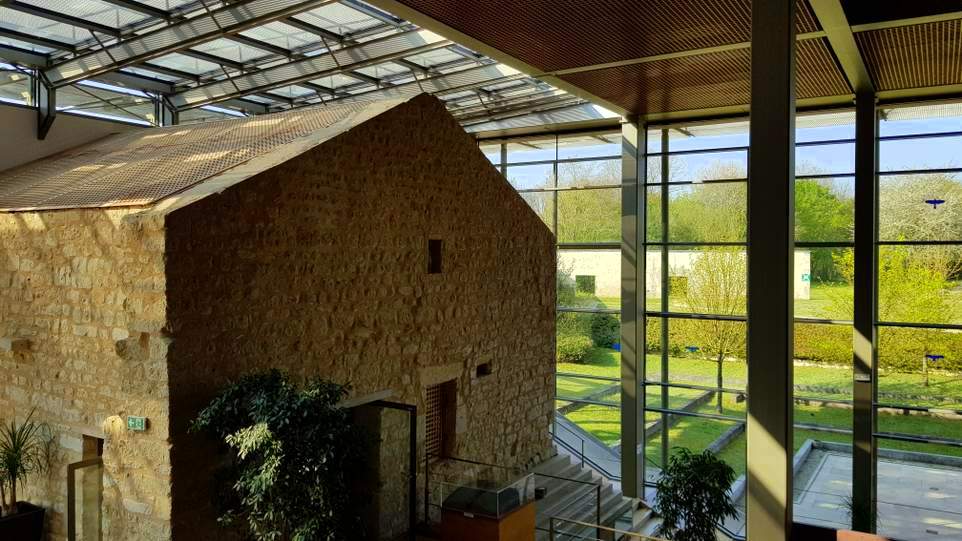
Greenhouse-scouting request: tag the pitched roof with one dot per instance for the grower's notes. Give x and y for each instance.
(142, 167)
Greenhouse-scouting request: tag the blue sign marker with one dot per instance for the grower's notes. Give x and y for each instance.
(806, 277)
(934, 202)
(935, 358)
(616, 347)
(692, 349)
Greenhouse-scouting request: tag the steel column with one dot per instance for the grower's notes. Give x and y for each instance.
(864, 333)
(45, 97)
(771, 220)
(165, 113)
(633, 147)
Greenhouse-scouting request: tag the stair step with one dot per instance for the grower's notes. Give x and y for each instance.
(567, 498)
(553, 465)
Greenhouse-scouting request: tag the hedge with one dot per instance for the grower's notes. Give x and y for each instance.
(573, 348)
(900, 349)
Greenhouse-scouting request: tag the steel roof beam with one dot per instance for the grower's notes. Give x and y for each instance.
(504, 104)
(839, 33)
(143, 9)
(229, 19)
(36, 40)
(137, 82)
(559, 102)
(468, 79)
(61, 17)
(23, 56)
(365, 54)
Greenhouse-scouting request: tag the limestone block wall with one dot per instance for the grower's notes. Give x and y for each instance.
(82, 293)
(319, 266)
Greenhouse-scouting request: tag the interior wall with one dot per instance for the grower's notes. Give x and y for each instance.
(320, 267)
(20, 145)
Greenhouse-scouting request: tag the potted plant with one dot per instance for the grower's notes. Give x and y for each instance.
(24, 451)
(693, 497)
(291, 453)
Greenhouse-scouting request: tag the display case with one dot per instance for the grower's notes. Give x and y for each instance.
(498, 505)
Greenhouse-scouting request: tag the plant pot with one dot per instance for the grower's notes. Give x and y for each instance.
(26, 525)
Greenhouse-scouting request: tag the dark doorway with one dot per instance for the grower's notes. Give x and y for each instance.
(388, 483)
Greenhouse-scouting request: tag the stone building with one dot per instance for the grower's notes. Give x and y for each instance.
(367, 243)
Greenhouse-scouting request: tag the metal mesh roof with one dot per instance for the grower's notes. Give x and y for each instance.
(144, 166)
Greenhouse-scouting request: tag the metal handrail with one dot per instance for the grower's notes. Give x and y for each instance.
(617, 534)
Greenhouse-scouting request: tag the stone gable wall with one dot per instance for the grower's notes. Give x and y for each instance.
(82, 310)
(319, 267)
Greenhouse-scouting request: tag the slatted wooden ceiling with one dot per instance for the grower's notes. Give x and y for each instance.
(922, 55)
(554, 35)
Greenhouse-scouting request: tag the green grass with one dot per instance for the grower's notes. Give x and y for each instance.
(833, 382)
(697, 433)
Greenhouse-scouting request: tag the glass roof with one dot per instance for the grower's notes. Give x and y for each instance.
(40, 27)
(266, 60)
(92, 10)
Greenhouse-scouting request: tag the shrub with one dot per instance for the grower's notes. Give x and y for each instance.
(605, 330)
(573, 323)
(573, 348)
(293, 456)
(585, 284)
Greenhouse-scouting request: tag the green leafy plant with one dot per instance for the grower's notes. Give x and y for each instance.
(859, 514)
(24, 451)
(605, 330)
(292, 455)
(693, 497)
(573, 348)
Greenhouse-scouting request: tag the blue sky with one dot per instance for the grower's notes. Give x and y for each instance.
(939, 152)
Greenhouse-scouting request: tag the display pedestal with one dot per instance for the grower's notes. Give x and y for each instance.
(518, 525)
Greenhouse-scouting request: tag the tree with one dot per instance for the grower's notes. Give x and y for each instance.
(293, 454)
(592, 214)
(716, 285)
(904, 214)
(910, 290)
(692, 496)
(822, 215)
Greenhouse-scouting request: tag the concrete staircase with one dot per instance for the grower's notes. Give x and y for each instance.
(571, 493)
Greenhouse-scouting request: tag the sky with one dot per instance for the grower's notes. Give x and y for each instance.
(838, 158)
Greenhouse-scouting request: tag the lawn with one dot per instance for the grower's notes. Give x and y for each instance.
(819, 381)
(829, 382)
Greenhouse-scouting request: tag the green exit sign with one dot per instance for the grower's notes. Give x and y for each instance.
(136, 424)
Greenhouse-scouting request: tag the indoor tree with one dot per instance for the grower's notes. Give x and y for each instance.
(692, 495)
(292, 454)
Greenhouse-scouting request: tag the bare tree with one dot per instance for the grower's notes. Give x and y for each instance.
(716, 285)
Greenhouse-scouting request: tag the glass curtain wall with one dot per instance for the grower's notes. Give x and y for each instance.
(695, 292)
(823, 389)
(573, 182)
(918, 400)
(695, 289)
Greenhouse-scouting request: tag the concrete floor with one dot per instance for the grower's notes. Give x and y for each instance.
(916, 501)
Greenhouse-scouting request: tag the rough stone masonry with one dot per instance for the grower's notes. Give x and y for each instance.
(317, 266)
